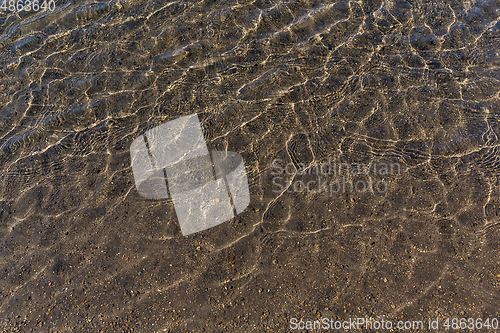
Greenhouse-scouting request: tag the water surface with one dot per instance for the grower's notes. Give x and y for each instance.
(409, 82)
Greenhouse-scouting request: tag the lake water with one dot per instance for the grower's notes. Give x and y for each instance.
(369, 132)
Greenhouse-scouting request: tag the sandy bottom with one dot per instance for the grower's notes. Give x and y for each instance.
(369, 132)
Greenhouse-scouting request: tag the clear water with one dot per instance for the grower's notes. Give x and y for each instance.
(290, 86)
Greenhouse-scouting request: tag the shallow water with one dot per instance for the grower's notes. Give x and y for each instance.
(294, 84)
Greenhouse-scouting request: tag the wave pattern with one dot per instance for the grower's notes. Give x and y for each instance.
(408, 82)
